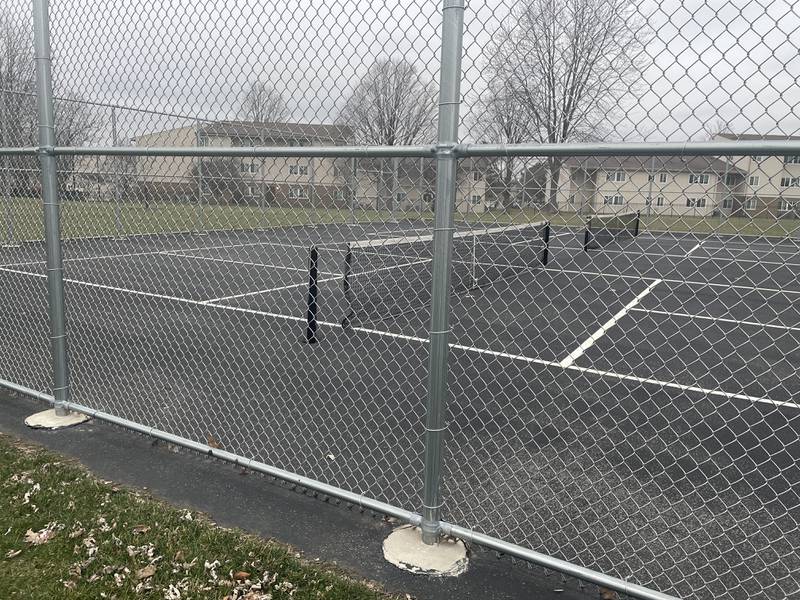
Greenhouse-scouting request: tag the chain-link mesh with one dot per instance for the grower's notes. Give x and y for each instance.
(623, 353)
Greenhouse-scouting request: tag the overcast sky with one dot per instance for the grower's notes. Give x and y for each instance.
(734, 61)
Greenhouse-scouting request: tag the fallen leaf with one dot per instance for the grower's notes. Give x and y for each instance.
(241, 575)
(13, 553)
(212, 441)
(140, 529)
(77, 533)
(179, 556)
(146, 572)
(606, 594)
(37, 538)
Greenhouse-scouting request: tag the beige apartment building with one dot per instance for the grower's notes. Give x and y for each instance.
(251, 180)
(675, 185)
(412, 184)
(684, 185)
(772, 183)
(402, 183)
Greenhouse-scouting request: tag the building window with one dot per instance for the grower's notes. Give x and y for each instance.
(701, 203)
(339, 194)
(790, 181)
(757, 159)
(659, 200)
(727, 202)
(249, 167)
(251, 190)
(699, 178)
(651, 178)
(750, 203)
(690, 202)
(297, 192)
(792, 160)
(615, 176)
(298, 169)
(753, 180)
(696, 202)
(730, 180)
(787, 205)
(662, 178)
(476, 176)
(476, 199)
(613, 200)
(648, 201)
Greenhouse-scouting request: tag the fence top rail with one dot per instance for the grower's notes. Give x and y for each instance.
(16, 151)
(732, 148)
(253, 151)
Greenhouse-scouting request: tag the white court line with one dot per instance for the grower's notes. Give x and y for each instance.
(645, 253)
(695, 247)
(239, 262)
(589, 342)
(676, 281)
(305, 283)
(656, 382)
(721, 319)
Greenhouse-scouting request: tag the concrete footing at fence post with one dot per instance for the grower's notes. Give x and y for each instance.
(405, 549)
(50, 419)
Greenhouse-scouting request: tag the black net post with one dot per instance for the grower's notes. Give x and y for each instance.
(587, 234)
(546, 248)
(348, 270)
(311, 313)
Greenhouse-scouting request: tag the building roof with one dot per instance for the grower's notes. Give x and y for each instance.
(656, 163)
(336, 134)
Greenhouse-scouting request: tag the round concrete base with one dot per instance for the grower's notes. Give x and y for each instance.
(48, 419)
(404, 549)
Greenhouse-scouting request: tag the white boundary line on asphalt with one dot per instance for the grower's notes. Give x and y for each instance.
(720, 319)
(676, 281)
(589, 342)
(644, 253)
(472, 349)
(235, 262)
(305, 283)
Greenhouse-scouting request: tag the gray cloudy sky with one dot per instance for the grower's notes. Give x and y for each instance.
(709, 60)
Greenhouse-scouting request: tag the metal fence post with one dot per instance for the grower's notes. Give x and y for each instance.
(47, 160)
(449, 99)
(115, 175)
(353, 188)
(200, 183)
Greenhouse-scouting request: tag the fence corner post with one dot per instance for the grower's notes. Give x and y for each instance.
(449, 101)
(50, 200)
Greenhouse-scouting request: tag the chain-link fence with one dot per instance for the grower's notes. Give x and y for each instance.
(522, 272)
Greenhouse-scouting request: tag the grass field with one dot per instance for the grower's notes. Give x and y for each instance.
(90, 219)
(65, 534)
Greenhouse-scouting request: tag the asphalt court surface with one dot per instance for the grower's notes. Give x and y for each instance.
(685, 343)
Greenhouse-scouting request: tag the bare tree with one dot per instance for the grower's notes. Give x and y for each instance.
(263, 103)
(18, 122)
(76, 122)
(569, 63)
(393, 104)
(500, 117)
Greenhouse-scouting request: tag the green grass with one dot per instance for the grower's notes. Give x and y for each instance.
(757, 226)
(89, 219)
(105, 539)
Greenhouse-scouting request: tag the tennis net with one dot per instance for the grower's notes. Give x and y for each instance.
(603, 229)
(387, 277)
